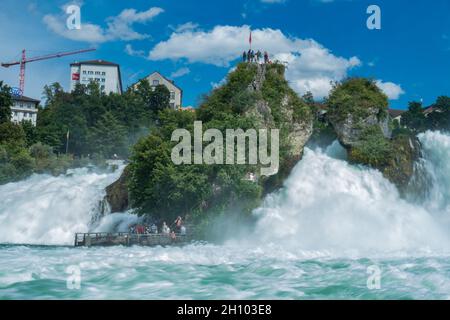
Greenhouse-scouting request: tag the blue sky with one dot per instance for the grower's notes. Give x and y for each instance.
(198, 42)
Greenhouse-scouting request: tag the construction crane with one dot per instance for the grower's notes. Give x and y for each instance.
(22, 62)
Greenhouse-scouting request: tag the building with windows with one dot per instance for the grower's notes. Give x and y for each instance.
(176, 94)
(24, 109)
(107, 74)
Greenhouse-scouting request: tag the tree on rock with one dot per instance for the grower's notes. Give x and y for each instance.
(5, 103)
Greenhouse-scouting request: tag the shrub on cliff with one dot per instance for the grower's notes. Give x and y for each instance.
(373, 149)
(357, 97)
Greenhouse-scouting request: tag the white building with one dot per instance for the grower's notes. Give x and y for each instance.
(24, 109)
(107, 74)
(176, 94)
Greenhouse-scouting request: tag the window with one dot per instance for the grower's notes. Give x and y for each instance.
(102, 87)
(84, 71)
(103, 73)
(156, 82)
(172, 95)
(172, 105)
(97, 72)
(90, 72)
(103, 79)
(97, 79)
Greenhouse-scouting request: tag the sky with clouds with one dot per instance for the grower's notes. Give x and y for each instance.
(197, 43)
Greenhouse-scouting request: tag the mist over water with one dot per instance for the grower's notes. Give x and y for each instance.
(328, 204)
(49, 210)
(314, 238)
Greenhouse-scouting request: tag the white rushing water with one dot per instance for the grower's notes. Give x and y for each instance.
(49, 210)
(315, 238)
(326, 204)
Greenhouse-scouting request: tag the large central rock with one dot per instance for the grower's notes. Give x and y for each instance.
(254, 95)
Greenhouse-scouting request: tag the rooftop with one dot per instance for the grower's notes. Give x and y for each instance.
(95, 62)
(25, 99)
(394, 113)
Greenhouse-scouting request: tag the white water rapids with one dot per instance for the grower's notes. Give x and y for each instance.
(326, 205)
(314, 239)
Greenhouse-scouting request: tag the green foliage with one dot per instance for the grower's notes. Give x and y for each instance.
(162, 189)
(356, 96)
(107, 137)
(98, 123)
(373, 149)
(99, 126)
(5, 103)
(415, 120)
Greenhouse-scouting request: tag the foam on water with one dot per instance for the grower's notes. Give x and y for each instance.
(328, 204)
(49, 210)
(327, 207)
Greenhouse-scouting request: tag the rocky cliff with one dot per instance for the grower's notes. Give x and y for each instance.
(254, 96)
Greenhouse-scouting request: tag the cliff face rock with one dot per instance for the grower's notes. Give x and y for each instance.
(349, 128)
(117, 194)
(400, 169)
(279, 107)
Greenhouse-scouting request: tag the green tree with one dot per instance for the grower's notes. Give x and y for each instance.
(414, 118)
(5, 103)
(160, 99)
(107, 137)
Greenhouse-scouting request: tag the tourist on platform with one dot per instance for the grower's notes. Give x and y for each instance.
(165, 228)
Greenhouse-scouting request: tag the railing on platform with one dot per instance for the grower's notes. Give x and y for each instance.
(127, 239)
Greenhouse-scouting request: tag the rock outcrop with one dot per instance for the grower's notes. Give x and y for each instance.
(358, 114)
(117, 194)
(278, 107)
(258, 96)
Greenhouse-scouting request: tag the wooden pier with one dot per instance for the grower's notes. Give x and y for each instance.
(129, 239)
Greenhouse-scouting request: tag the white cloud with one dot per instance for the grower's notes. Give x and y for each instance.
(273, 1)
(132, 52)
(311, 66)
(180, 72)
(392, 90)
(118, 28)
(185, 27)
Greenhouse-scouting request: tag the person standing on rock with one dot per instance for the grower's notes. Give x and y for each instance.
(258, 56)
(249, 55)
(266, 57)
(244, 57)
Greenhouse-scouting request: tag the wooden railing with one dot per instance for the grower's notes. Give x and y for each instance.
(127, 239)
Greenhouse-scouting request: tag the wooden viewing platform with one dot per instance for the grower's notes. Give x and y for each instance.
(129, 239)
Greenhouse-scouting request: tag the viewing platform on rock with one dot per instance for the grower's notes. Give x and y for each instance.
(130, 239)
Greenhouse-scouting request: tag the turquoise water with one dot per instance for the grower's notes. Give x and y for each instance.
(213, 272)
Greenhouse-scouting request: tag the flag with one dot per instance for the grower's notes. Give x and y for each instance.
(250, 38)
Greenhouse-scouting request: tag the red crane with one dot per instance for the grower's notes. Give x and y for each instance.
(22, 62)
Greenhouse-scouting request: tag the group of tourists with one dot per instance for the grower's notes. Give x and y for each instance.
(251, 56)
(177, 227)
